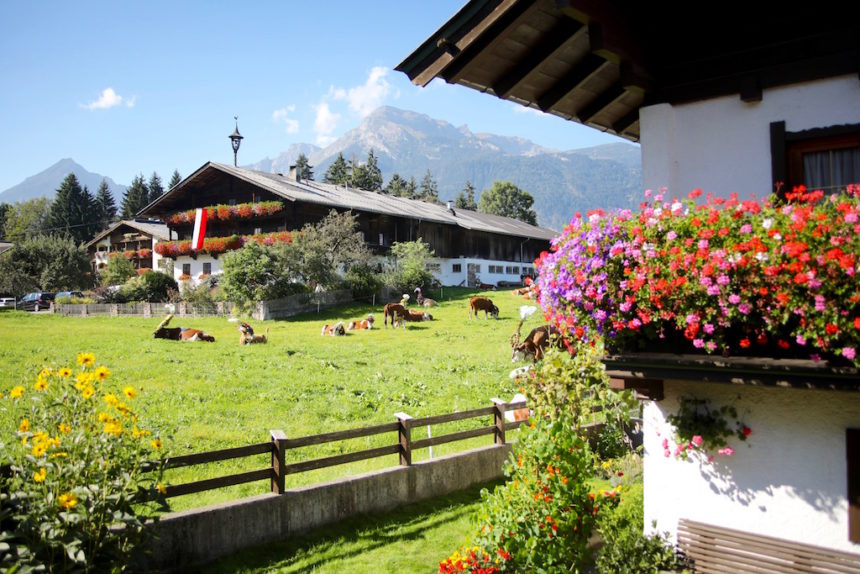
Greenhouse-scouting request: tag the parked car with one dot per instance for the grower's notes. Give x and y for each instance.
(35, 301)
(6, 301)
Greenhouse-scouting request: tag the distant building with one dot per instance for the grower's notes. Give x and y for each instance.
(470, 247)
(132, 239)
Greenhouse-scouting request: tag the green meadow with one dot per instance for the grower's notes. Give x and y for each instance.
(205, 396)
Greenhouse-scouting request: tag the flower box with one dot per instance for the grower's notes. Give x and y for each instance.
(735, 277)
(224, 212)
(215, 246)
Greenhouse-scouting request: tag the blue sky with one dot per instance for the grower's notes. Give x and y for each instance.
(136, 87)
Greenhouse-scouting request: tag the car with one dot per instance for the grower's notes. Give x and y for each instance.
(35, 301)
(7, 301)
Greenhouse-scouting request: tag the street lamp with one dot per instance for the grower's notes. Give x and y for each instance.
(236, 140)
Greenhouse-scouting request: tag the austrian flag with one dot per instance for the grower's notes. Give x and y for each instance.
(199, 229)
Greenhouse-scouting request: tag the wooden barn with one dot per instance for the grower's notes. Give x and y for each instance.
(134, 240)
(469, 246)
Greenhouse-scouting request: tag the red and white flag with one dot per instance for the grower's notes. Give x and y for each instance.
(199, 229)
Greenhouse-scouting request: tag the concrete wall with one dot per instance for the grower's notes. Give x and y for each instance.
(788, 480)
(201, 535)
(196, 266)
(723, 145)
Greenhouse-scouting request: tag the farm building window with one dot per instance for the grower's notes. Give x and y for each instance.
(457, 268)
(258, 230)
(207, 268)
(852, 453)
(186, 269)
(433, 267)
(822, 158)
(381, 239)
(232, 202)
(512, 270)
(496, 269)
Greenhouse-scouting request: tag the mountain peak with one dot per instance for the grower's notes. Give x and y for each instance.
(46, 182)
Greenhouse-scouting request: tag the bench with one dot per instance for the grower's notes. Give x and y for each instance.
(711, 548)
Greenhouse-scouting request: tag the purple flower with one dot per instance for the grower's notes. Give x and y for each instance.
(744, 308)
(734, 299)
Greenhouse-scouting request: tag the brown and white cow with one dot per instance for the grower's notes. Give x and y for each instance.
(336, 330)
(483, 304)
(180, 333)
(415, 316)
(362, 325)
(536, 342)
(393, 310)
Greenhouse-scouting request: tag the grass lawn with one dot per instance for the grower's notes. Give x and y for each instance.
(204, 396)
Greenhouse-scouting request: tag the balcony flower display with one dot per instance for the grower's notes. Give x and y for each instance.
(129, 254)
(219, 245)
(144, 253)
(750, 277)
(223, 212)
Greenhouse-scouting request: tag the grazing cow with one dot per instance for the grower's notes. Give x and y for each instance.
(483, 304)
(336, 330)
(364, 324)
(423, 301)
(535, 343)
(247, 336)
(393, 310)
(180, 333)
(415, 316)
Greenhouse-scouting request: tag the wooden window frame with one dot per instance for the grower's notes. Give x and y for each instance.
(787, 149)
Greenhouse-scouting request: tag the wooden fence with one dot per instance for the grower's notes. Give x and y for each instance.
(278, 469)
(181, 309)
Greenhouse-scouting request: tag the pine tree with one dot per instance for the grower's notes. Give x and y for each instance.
(71, 210)
(372, 174)
(156, 189)
(135, 198)
(337, 173)
(466, 198)
(304, 169)
(174, 179)
(396, 186)
(429, 189)
(411, 189)
(105, 208)
(356, 177)
(90, 215)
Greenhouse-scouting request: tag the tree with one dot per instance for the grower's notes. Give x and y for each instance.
(255, 273)
(135, 198)
(337, 173)
(326, 248)
(429, 189)
(371, 176)
(411, 189)
(396, 186)
(71, 213)
(5, 208)
(303, 168)
(117, 271)
(408, 266)
(174, 179)
(156, 189)
(466, 198)
(46, 262)
(355, 177)
(25, 219)
(507, 200)
(105, 208)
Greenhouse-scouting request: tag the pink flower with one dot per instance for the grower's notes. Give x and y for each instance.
(665, 443)
(698, 343)
(849, 352)
(726, 450)
(697, 440)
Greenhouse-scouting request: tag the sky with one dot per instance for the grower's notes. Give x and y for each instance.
(128, 87)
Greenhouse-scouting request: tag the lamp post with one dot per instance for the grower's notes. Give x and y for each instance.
(236, 140)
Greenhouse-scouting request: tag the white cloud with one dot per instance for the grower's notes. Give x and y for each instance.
(109, 99)
(365, 98)
(325, 123)
(282, 115)
(520, 109)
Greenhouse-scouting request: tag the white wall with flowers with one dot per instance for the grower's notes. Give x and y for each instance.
(722, 145)
(788, 480)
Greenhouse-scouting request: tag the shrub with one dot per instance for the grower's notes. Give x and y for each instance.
(157, 285)
(74, 450)
(117, 271)
(362, 281)
(408, 267)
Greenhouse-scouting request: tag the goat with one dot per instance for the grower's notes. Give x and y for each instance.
(180, 333)
(393, 310)
(536, 341)
(247, 336)
(362, 325)
(483, 304)
(336, 330)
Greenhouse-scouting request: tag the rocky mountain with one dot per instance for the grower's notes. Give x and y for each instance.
(409, 143)
(45, 183)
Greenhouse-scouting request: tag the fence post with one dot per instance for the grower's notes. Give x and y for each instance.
(278, 460)
(404, 434)
(147, 310)
(183, 306)
(114, 310)
(499, 420)
(84, 310)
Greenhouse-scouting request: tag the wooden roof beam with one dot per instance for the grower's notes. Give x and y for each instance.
(585, 68)
(626, 122)
(563, 31)
(494, 33)
(602, 101)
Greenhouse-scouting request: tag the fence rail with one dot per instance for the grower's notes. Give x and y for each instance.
(181, 309)
(279, 444)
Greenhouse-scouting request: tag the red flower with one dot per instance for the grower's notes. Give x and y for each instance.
(746, 430)
(857, 323)
(831, 329)
(745, 343)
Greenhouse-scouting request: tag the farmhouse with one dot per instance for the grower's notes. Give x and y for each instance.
(744, 98)
(132, 239)
(242, 204)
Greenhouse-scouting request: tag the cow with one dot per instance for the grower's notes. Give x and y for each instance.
(415, 316)
(247, 336)
(516, 415)
(336, 330)
(423, 301)
(364, 324)
(483, 304)
(180, 333)
(535, 343)
(392, 310)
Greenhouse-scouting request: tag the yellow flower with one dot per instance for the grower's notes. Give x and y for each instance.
(64, 428)
(111, 399)
(102, 417)
(59, 455)
(17, 392)
(102, 373)
(86, 359)
(67, 500)
(39, 475)
(87, 392)
(161, 488)
(138, 433)
(24, 426)
(39, 449)
(129, 392)
(65, 372)
(45, 373)
(156, 443)
(41, 383)
(113, 427)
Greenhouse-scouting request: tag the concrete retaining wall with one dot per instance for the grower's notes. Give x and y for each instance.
(201, 535)
(301, 303)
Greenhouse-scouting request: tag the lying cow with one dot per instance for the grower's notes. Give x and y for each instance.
(364, 324)
(415, 316)
(247, 336)
(180, 333)
(393, 310)
(483, 304)
(336, 330)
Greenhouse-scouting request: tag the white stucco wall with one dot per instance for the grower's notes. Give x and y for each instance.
(788, 480)
(723, 145)
(448, 277)
(196, 266)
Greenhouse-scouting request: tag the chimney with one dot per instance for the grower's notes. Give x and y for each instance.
(450, 205)
(294, 174)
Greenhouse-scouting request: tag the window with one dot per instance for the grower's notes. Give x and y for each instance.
(512, 270)
(433, 267)
(821, 158)
(457, 268)
(496, 269)
(186, 269)
(258, 230)
(207, 269)
(381, 239)
(232, 202)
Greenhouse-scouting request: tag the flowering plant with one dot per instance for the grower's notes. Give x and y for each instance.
(144, 253)
(73, 448)
(701, 428)
(733, 276)
(227, 212)
(129, 254)
(219, 245)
